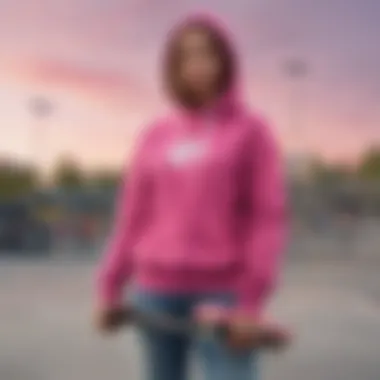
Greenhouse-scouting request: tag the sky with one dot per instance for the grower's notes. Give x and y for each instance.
(97, 64)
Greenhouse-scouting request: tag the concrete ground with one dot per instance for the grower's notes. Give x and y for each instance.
(46, 334)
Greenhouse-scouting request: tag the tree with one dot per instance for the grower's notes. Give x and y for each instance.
(318, 170)
(369, 167)
(324, 173)
(68, 175)
(105, 179)
(16, 180)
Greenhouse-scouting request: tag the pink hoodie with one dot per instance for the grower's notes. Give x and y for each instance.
(202, 208)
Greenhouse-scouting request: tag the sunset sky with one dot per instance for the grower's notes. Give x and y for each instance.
(97, 61)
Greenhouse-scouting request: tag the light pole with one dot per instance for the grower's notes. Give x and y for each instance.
(40, 108)
(296, 71)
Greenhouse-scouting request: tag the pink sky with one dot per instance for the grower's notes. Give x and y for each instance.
(98, 63)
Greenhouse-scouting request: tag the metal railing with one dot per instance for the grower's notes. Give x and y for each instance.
(328, 222)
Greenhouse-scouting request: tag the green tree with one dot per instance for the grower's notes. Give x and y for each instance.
(369, 167)
(105, 179)
(323, 173)
(318, 170)
(68, 174)
(16, 180)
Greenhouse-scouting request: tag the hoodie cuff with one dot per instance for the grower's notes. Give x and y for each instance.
(108, 295)
(109, 301)
(251, 299)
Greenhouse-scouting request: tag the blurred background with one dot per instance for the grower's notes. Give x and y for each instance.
(79, 78)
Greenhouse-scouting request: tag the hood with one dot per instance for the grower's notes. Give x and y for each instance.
(231, 97)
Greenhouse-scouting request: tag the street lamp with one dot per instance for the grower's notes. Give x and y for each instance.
(295, 70)
(40, 108)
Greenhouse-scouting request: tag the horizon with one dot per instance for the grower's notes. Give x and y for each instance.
(293, 163)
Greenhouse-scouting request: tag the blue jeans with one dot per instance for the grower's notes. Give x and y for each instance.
(167, 354)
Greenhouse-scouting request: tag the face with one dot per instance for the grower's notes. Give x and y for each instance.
(200, 66)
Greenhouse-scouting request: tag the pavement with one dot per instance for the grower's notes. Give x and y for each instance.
(333, 306)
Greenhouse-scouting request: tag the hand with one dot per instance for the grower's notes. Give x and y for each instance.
(110, 319)
(243, 331)
(244, 334)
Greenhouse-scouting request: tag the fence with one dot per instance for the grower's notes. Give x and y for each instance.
(47, 223)
(335, 220)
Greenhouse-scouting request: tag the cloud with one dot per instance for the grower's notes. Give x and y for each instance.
(66, 74)
(108, 85)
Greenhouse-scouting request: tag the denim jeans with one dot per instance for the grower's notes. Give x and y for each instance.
(167, 354)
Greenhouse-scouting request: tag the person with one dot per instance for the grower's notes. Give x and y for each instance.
(201, 221)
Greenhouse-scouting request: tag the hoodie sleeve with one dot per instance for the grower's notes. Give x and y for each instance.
(133, 209)
(265, 223)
